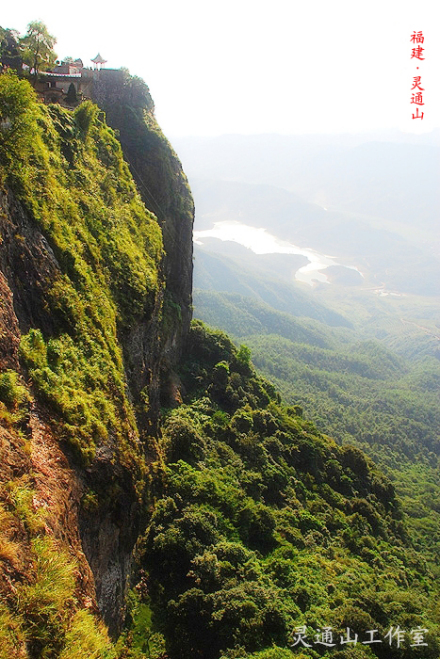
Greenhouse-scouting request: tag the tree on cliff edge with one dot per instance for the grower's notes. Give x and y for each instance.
(38, 47)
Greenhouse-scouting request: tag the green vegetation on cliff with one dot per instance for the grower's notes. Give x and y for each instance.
(42, 615)
(248, 522)
(81, 264)
(162, 184)
(67, 170)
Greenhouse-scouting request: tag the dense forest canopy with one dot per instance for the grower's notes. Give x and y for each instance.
(160, 498)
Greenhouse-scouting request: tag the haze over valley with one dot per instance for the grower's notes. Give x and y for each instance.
(370, 202)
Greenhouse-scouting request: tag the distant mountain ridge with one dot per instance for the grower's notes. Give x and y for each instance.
(371, 198)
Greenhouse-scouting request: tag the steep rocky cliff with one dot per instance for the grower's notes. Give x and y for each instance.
(216, 529)
(164, 189)
(93, 313)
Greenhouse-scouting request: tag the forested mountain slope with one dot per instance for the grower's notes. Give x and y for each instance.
(157, 499)
(266, 525)
(381, 396)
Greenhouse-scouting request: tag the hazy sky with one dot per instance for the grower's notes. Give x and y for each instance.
(281, 66)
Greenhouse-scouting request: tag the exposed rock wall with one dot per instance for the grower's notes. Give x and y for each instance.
(97, 505)
(165, 191)
(107, 533)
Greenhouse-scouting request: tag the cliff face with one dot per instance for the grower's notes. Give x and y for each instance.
(92, 316)
(164, 189)
(41, 484)
(245, 521)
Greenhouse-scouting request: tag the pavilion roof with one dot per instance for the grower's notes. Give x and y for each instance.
(99, 59)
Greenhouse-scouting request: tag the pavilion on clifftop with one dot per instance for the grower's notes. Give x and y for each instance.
(98, 61)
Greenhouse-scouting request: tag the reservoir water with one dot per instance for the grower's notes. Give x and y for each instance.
(260, 241)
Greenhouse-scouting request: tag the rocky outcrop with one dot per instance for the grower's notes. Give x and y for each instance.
(28, 265)
(95, 506)
(165, 191)
(101, 537)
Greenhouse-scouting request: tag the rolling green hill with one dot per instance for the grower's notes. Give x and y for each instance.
(356, 390)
